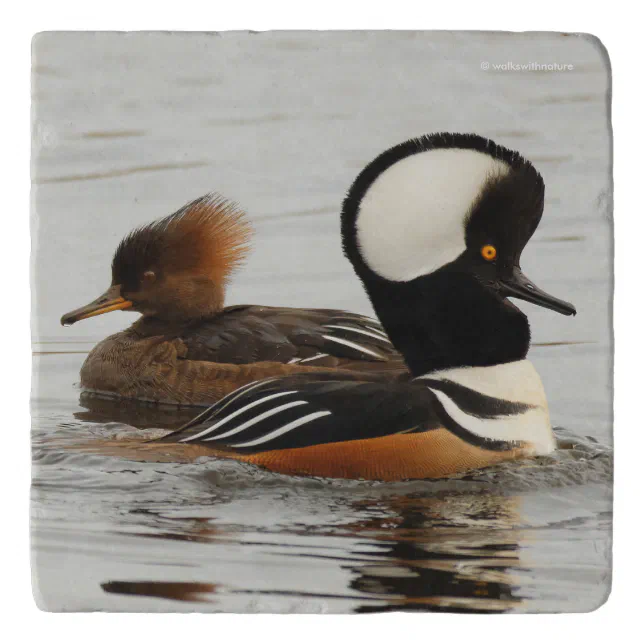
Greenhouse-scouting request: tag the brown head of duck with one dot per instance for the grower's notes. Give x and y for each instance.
(176, 269)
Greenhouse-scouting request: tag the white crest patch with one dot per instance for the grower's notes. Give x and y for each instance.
(410, 221)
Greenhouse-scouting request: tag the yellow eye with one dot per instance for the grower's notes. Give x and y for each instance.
(488, 252)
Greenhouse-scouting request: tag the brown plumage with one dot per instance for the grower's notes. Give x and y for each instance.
(433, 454)
(187, 349)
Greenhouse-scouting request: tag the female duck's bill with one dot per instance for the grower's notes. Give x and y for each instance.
(111, 300)
(434, 228)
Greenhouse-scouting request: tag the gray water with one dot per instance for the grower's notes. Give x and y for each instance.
(127, 128)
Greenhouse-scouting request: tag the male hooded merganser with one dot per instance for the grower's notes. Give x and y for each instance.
(187, 348)
(434, 228)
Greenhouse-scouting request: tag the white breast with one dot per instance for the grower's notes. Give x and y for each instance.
(516, 382)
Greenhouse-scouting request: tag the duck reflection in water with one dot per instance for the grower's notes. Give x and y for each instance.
(132, 413)
(452, 554)
(437, 549)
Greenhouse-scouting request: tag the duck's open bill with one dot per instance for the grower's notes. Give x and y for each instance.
(111, 300)
(518, 285)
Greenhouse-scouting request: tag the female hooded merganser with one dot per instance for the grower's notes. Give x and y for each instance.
(434, 228)
(187, 348)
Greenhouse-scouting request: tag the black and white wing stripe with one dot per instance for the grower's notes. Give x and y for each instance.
(360, 335)
(313, 337)
(350, 336)
(306, 410)
(301, 411)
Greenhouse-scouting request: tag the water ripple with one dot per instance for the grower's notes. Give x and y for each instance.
(124, 172)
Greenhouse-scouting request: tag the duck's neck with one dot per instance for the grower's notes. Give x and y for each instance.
(150, 325)
(179, 304)
(448, 320)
